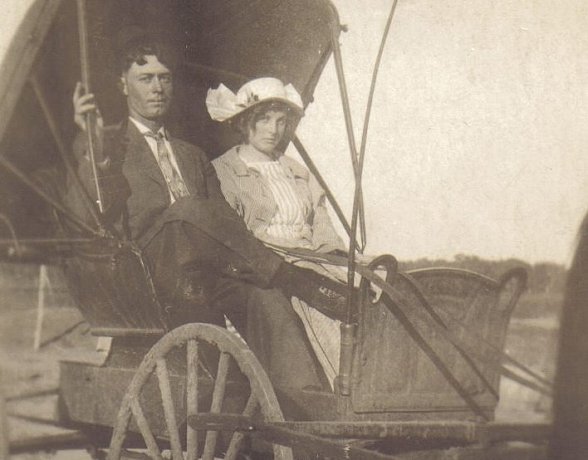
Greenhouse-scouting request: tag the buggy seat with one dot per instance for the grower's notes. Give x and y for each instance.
(392, 374)
(114, 291)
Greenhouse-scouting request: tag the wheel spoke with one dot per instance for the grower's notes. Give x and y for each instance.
(143, 425)
(169, 410)
(218, 395)
(192, 398)
(238, 436)
(192, 336)
(120, 431)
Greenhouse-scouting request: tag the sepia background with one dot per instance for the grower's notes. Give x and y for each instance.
(476, 158)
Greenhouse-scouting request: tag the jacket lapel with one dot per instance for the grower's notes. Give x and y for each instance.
(140, 156)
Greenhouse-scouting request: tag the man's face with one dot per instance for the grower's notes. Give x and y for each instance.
(149, 90)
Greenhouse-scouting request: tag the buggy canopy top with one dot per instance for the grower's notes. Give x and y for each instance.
(228, 41)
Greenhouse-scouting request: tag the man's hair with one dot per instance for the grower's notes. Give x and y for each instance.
(246, 120)
(135, 50)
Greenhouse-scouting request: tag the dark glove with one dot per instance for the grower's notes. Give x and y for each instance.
(318, 291)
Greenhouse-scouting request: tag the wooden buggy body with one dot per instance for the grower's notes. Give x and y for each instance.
(396, 392)
(422, 370)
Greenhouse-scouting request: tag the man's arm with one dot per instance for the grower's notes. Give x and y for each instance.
(104, 143)
(211, 179)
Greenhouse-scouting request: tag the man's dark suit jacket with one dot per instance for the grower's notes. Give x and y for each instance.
(137, 202)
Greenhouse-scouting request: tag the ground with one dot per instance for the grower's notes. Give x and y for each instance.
(66, 336)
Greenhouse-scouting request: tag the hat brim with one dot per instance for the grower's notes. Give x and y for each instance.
(295, 108)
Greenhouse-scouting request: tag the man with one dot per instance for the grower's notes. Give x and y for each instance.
(163, 193)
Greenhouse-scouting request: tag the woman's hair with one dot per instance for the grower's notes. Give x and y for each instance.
(246, 120)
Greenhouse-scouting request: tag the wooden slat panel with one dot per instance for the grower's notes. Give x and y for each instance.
(391, 373)
(114, 292)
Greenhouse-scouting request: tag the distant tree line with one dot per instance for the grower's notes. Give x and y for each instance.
(544, 277)
(544, 294)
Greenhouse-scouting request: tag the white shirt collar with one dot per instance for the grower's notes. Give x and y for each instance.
(144, 129)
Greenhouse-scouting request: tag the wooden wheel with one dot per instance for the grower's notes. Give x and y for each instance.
(143, 407)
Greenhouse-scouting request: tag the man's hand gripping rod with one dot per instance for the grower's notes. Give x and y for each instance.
(90, 117)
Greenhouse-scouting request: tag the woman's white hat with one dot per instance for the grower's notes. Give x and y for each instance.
(223, 104)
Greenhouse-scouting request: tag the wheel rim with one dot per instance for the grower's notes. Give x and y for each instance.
(155, 366)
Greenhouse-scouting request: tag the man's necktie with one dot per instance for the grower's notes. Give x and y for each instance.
(173, 179)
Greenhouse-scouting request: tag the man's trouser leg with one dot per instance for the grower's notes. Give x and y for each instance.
(264, 317)
(272, 330)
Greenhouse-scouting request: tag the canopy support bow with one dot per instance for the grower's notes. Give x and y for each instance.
(357, 159)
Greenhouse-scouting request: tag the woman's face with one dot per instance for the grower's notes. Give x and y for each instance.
(267, 132)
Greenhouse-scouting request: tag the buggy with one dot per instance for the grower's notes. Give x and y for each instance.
(419, 375)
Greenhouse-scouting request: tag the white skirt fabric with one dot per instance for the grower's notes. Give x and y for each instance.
(323, 332)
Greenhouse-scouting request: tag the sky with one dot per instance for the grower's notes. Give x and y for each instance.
(478, 141)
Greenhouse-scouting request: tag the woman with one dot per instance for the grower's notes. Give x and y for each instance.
(280, 201)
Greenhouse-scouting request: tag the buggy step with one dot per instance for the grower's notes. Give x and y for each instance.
(471, 432)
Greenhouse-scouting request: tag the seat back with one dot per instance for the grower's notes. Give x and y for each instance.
(391, 373)
(113, 289)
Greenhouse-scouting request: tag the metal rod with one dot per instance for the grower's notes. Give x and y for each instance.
(358, 199)
(335, 29)
(61, 149)
(43, 281)
(544, 390)
(453, 337)
(14, 241)
(457, 345)
(433, 356)
(358, 211)
(318, 70)
(460, 345)
(14, 170)
(62, 334)
(25, 241)
(348, 333)
(368, 109)
(90, 118)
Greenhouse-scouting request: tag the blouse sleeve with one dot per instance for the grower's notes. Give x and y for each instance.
(324, 236)
(228, 185)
